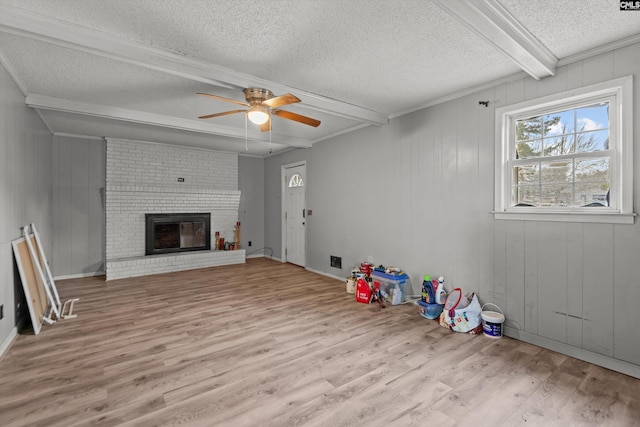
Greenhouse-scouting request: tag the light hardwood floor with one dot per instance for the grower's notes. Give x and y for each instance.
(271, 344)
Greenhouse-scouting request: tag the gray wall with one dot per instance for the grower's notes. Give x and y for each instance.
(418, 193)
(25, 191)
(251, 210)
(78, 178)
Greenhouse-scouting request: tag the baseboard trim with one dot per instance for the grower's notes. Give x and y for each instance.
(588, 356)
(79, 276)
(322, 273)
(6, 344)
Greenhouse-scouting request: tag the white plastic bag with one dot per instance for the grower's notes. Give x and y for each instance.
(462, 313)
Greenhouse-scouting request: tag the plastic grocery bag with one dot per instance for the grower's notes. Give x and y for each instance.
(462, 313)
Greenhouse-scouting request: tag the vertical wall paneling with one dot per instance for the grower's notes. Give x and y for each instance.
(531, 282)
(78, 209)
(598, 68)
(251, 209)
(513, 298)
(450, 236)
(575, 281)
(79, 231)
(552, 281)
(424, 210)
(574, 75)
(598, 279)
(432, 189)
(499, 263)
(466, 204)
(96, 208)
(25, 193)
(626, 239)
(63, 214)
(485, 241)
(626, 292)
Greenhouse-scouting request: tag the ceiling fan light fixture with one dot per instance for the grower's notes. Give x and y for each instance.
(258, 116)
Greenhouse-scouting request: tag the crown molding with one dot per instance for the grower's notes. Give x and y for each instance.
(491, 21)
(605, 48)
(77, 136)
(56, 104)
(39, 27)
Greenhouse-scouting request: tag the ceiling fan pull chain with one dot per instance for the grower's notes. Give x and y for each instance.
(246, 146)
(270, 132)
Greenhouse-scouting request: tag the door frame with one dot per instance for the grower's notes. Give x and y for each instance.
(283, 207)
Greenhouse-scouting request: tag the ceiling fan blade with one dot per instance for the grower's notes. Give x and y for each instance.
(297, 118)
(281, 100)
(266, 126)
(224, 99)
(224, 113)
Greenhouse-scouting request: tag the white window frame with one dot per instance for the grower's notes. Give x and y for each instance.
(620, 92)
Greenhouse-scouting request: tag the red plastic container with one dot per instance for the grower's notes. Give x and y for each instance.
(366, 268)
(363, 291)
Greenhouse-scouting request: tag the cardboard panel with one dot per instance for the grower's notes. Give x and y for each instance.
(33, 286)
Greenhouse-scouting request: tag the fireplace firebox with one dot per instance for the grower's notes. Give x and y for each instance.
(179, 232)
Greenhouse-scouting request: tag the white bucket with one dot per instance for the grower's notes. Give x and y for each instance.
(351, 286)
(492, 322)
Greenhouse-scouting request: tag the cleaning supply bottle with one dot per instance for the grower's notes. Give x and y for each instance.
(426, 279)
(428, 291)
(441, 294)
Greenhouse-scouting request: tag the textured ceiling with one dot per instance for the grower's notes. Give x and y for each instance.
(134, 66)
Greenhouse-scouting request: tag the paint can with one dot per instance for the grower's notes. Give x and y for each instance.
(492, 322)
(351, 285)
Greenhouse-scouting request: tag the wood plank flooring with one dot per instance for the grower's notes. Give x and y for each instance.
(271, 344)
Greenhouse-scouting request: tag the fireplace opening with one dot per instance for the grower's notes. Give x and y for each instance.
(180, 232)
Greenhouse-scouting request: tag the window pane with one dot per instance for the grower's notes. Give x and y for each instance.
(593, 194)
(296, 181)
(592, 170)
(557, 172)
(528, 129)
(592, 117)
(592, 141)
(559, 146)
(556, 195)
(526, 174)
(526, 195)
(559, 123)
(528, 149)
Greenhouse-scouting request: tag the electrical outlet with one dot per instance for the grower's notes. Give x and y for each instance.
(249, 242)
(336, 261)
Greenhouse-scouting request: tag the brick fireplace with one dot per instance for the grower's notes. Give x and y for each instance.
(152, 178)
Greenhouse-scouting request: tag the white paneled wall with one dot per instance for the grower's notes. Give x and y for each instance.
(418, 193)
(145, 177)
(25, 194)
(78, 179)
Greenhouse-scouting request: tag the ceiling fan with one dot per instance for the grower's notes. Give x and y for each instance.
(262, 105)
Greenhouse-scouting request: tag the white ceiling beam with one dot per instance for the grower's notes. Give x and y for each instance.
(39, 27)
(491, 21)
(133, 116)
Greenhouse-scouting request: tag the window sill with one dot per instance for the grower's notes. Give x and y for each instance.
(597, 217)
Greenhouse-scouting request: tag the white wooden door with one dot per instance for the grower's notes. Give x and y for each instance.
(295, 217)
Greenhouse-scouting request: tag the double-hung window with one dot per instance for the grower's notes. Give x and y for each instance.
(568, 156)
